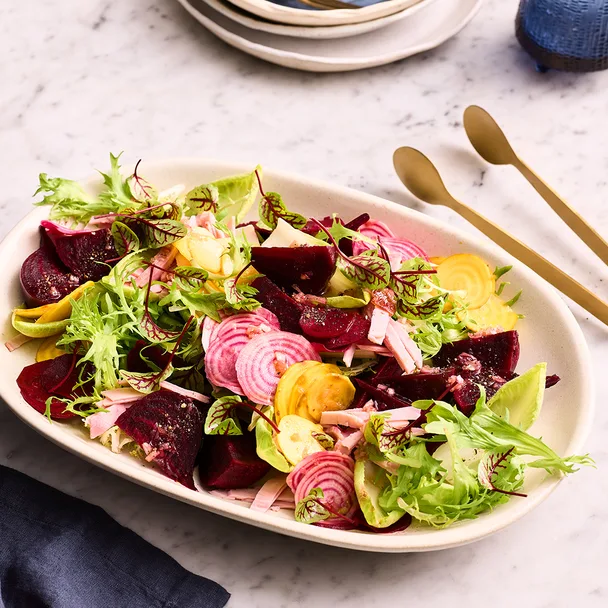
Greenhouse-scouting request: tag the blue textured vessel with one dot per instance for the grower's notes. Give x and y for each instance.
(569, 35)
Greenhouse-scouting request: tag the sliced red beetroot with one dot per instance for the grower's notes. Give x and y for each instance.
(355, 333)
(413, 387)
(44, 279)
(85, 252)
(499, 352)
(230, 462)
(273, 298)
(306, 268)
(265, 358)
(169, 428)
(384, 398)
(51, 378)
(323, 322)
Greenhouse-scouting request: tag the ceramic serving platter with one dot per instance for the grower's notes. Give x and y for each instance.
(548, 333)
(253, 22)
(296, 12)
(425, 29)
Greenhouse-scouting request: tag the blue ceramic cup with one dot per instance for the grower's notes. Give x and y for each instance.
(569, 35)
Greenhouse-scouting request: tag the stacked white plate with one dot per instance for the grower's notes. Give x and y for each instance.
(294, 34)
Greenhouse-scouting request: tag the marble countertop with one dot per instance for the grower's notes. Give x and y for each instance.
(82, 78)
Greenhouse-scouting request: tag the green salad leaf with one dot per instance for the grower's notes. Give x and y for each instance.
(266, 448)
(272, 209)
(125, 240)
(202, 198)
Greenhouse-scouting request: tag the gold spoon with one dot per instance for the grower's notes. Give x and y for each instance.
(422, 179)
(492, 145)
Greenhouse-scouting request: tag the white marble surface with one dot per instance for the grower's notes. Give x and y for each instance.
(79, 79)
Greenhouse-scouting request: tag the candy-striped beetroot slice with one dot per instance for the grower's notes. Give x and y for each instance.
(226, 341)
(376, 229)
(261, 363)
(316, 460)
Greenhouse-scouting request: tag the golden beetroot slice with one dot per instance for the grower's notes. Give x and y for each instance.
(87, 253)
(169, 428)
(44, 279)
(230, 462)
(306, 268)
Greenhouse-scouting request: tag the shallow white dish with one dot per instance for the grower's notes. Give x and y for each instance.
(297, 16)
(314, 33)
(549, 333)
(427, 28)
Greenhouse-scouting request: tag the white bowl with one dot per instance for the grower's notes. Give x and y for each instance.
(418, 31)
(296, 16)
(295, 31)
(548, 333)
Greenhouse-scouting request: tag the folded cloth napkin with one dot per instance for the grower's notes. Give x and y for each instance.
(57, 551)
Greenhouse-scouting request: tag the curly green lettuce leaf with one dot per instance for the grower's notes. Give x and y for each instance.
(117, 194)
(487, 431)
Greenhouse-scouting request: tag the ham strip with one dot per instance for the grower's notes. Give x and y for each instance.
(379, 324)
(347, 445)
(269, 493)
(395, 345)
(101, 422)
(184, 392)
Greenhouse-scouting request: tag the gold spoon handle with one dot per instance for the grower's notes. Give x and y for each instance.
(572, 219)
(559, 279)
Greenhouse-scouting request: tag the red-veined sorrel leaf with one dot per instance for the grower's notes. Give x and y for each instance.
(221, 419)
(272, 208)
(189, 277)
(146, 382)
(324, 440)
(424, 310)
(125, 240)
(489, 467)
(157, 232)
(141, 189)
(369, 271)
(202, 198)
(153, 332)
(310, 509)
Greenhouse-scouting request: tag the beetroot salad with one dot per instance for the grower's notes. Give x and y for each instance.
(328, 366)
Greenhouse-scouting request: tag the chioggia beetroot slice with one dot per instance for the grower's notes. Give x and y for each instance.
(87, 253)
(44, 279)
(229, 462)
(169, 428)
(51, 378)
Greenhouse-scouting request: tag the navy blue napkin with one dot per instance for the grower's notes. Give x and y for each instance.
(57, 551)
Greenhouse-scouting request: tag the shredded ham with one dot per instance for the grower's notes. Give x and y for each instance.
(351, 440)
(101, 422)
(121, 395)
(184, 392)
(16, 342)
(351, 418)
(395, 345)
(269, 493)
(349, 354)
(379, 324)
(207, 220)
(164, 258)
(372, 348)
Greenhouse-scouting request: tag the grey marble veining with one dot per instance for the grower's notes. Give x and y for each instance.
(78, 79)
